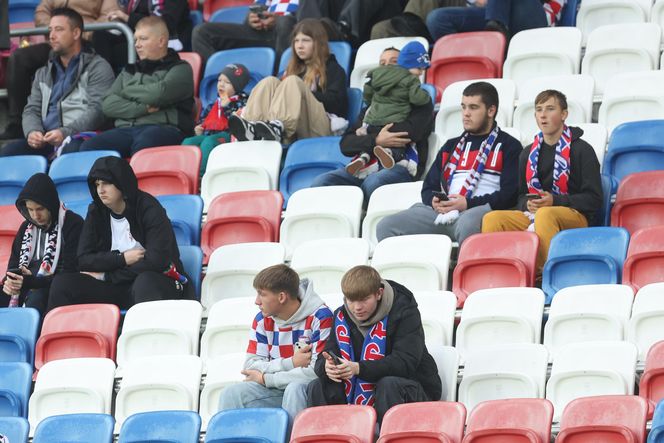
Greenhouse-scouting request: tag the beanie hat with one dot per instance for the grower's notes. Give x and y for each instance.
(238, 75)
(413, 55)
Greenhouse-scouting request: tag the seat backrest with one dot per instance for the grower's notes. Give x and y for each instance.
(192, 260)
(75, 428)
(591, 241)
(228, 327)
(534, 414)
(70, 173)
(15, 428)
(437, 417)
(18, 334)
(643, 329)
(354, 420)
(595, 13)
(210, 6)
(234, 14)
(223, 370)
(437, 310)
(597, 136)
(196, 62)
(447, 361)
(268, 424)
(185, 212)
(369, 52)
(161, 426)
(387, 200)
(154, 169)
(635, 147)
(15, 384)
(10, 222)
(15, 172)
(639, 201)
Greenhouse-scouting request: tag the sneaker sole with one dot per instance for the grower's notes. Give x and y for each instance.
(384, 157)
(238, 128)
(354, 167)
(263, 131)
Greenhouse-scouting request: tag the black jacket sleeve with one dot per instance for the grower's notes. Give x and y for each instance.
(90, 258)
(172, 11)
(335, 96)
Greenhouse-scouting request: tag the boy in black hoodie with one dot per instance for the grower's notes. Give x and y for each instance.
(127, 252)
(44, 245)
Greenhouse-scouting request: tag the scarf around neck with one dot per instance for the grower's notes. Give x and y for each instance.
(53, 243)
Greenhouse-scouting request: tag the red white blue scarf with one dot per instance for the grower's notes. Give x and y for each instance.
(560, 164)
(358, 391)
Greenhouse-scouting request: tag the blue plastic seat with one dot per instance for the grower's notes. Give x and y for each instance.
(584, 256)
(22, 10)
(307, 159)
(14, 429)
(234, 14)
(354, 105)
(15, 385)
(161, 427)
(75, 428)
(80, 207)
(192, 260)
(264, 425)
(185, 212)
(196, 18)
(568, 17)
(431, 90)
(18, 334)
(603, 216)
(341, 50)
(656, 434)
(70, 174)
(15, 172)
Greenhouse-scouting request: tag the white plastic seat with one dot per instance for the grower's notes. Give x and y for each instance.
(159, 383)
(597, 136)
(645, 326)
(222, 371)
(419, 262)
(434, 145)
(528, 58)
(591, 368)
(241, 166)
(71, 386)
(514, 132)
(447, 360)
(595, 13)
(388, 200)
(437, 310)
(333, 300)
(587, 313)
(368, 54)
(504, 371)
(232, 268)
(164, 327)
(657, 13)
(615, 49)
(228, 327)
(500, 316)
(325, 262)
(318, 213)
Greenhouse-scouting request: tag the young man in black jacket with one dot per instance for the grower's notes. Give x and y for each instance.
(376, 355)
(127, 252)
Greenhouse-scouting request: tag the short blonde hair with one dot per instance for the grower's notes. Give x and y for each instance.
(360, 282)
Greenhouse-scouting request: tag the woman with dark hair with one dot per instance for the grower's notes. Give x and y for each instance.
(309, 101)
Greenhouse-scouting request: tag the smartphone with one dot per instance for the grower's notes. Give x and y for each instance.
(13, 271)
(533, 196)
(441, 195)
(335, 357)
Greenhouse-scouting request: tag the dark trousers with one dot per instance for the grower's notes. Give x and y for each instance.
(21, 147)
(112, 47)
(33, 298)
(131, 139)
(389, 391)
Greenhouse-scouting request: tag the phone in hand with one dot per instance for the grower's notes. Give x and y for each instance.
(335, 357)
(442, 196)
(533, 196)
(13, 271)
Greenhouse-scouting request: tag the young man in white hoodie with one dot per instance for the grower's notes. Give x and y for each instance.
(286, 338)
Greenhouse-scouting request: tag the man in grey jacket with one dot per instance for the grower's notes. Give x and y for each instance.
(66, 93)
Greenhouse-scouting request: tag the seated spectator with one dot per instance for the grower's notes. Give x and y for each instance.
(415, 128)
(506, 16)
(127, 252)
(559, 179)
(44, 245)
(212, 127)
(310, 101)
(286, 339)
(151, 101)
(377, 355)
(413, 19)
(66, 93)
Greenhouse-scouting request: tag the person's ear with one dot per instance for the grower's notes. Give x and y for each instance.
(380, 293)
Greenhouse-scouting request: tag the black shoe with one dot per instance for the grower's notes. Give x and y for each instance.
(11, 132)
(496, 26)
(271, 130)
(242, 129)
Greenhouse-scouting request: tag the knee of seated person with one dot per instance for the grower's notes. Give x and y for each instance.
(490, 221)
(143, 288)
(385, 228)
(546, 213)
(388, 382)
(231, 396)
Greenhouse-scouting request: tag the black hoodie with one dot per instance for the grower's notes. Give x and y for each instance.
(148, 224)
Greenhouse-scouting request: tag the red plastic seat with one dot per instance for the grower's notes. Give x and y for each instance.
(466, 56)
(242, 217)
(196, 62)
(212, 5)
(605, 419)
(645, 258)
(424, 422)
(10, 221)
(88, 330)
(651, 385)
(334, 424)
(495, 260)
(639, 201)
(168, 169)
(517, 420)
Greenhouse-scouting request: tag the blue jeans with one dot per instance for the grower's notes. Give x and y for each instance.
(21, 147)
(339, 177)
(131, 139)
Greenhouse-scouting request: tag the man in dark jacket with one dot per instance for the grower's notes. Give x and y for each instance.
(44, 245)
(127, 252)
(376, 355)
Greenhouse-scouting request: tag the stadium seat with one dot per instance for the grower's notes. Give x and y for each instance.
(333, 300)
(387, 200)
(10, 222)
(500, 316)
(587, 313)
(645, 258)
(639, 201)
(15, 172)
(656, 434)
(15, 386)
(340, 423)
(324, 262)
(228, 326)
(420, 262)
(22, 11)
(597, 136)
(192, 260)
(308, 158)
(71, 386)
(644, 328)
(70, 174)
(241, 166)
(595, 13)
(222, 371)
(196, 18)
(606, 418)
(75, 428)
(268, 425)
(423, 421)
(447, 360)
(635, 147)
(159, 383)
(369, 52)
(185, 212)
(158, 328)
(18, 334)
(234, 14)
(76, 331)
(651, 384)
(161, 426)
(80, 207)
(517, 420)
(341, 51)
(14, 429)
(591, 368)
(210, 6)
(196, 62)
(167, 169)
(466, 56)
(354, 106)
(232, 268)
(242, 217)
(584, 256)
(437, 310)
(495, 260)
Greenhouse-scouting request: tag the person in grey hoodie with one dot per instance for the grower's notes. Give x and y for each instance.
(287, 336)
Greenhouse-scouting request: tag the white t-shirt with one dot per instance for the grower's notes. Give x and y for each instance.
(122, 240)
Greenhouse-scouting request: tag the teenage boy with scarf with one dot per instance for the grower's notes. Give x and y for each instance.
(45, 243)
(477, 170)
(559, 167)
(379, 339)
